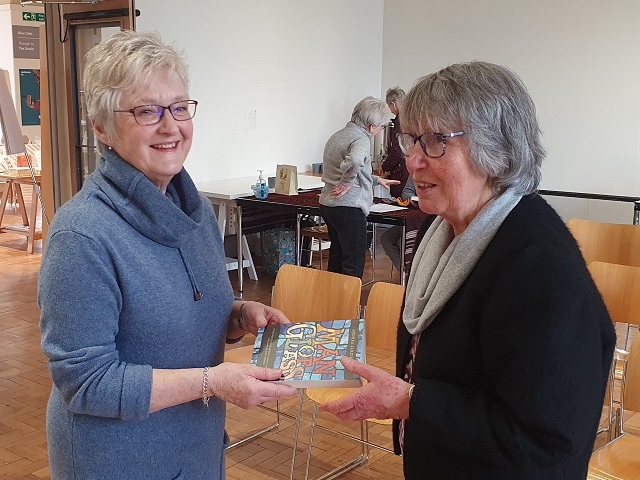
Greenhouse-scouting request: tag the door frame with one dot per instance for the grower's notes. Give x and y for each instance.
(61, 178)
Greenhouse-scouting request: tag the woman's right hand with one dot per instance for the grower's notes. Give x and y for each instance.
(340, 189)
(384, 396)
(247, 385)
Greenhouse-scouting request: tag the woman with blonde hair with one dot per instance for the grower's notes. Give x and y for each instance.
(135, 298)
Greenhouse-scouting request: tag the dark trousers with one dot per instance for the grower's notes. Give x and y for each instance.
(347, 228)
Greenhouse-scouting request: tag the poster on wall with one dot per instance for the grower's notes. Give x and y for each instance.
(30, 96)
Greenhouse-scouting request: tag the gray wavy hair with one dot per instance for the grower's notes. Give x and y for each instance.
(395, 95)
(492, 106)
(122, 64)
(371, 111)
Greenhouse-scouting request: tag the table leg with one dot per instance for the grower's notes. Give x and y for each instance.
(20, 198)
(246, 253)
(239, 247)
(32, 219)
(403, 247)
(5, 197)
(222, 218)
(298, 240)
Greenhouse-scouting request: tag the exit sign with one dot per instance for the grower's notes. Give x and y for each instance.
(33, 16)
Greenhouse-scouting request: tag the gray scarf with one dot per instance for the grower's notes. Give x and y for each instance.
(443, 262)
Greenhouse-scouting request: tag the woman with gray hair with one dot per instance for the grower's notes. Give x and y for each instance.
(135, 299)
(349, 181)
(394, 165)
(504, 345)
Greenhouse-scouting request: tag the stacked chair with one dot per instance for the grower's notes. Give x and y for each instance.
(612, 252)
(319, 241)
(607, 242)
(319, 236)
(619, 286)
(620, 458)
(304, 294)
(382, 313)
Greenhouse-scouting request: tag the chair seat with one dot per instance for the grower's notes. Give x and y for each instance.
(239, 354)
(317, 231)
(325, 395)
(616, 460)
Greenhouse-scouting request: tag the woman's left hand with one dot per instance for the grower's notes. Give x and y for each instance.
(384, 396)
(256, 315)
(386, 183)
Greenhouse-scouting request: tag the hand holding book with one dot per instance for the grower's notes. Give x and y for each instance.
(246, 385)
(384, 395)
(249, 317)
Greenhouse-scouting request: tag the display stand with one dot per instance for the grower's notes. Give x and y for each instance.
(14, 144)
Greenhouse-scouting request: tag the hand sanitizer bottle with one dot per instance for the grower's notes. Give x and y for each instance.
(260, 189)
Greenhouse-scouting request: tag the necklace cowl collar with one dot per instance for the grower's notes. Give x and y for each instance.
(163, 218)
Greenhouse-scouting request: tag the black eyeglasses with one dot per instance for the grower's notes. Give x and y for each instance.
(152, 114)
(433, 144)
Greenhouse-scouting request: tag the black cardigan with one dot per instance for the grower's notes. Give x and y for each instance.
(510, 376)
(395, 163)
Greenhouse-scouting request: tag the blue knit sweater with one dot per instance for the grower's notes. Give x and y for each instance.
(120, 284)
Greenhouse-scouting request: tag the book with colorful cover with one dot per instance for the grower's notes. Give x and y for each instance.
(308, 353)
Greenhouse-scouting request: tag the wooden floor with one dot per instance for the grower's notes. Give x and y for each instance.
(25, 386)
(24, 378)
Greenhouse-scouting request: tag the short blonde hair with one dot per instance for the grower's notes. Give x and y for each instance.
(123, 63)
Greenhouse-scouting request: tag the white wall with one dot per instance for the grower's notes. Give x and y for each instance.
(6, 40)
(274, 79)
(580, 60)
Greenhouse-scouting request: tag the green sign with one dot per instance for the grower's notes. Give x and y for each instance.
(33, 16)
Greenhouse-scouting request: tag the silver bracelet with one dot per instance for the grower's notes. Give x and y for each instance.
(410, 392)
(241, 318)
(205, 386)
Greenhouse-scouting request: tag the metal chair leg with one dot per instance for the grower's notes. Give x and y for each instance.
(297, 432)
(372, 249)
(261, 431)
(351, 464)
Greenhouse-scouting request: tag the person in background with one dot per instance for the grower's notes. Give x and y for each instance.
(394, 166)
(134, 295)
(505, 344)
(348, 191)
(391, 237)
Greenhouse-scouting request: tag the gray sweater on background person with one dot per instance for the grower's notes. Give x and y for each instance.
(132, 280)
(347, 160)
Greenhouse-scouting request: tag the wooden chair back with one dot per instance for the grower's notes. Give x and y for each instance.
(307, 294)
(382, 312)
(632, 378)
(619, 286)
(607, 242)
